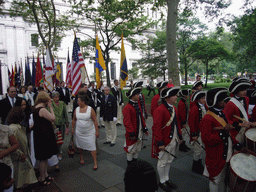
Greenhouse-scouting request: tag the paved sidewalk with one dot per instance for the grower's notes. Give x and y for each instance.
(74, 177)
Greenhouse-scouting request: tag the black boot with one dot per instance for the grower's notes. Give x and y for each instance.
(165, 186)
(198, 167)
(183, 147)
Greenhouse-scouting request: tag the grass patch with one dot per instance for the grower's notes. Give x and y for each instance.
(148, 99)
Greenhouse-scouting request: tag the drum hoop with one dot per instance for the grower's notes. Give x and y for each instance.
(247, 136)
(251, 153)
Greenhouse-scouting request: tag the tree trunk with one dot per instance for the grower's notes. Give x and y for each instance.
(206, 79)
(107, 71)
(186, 71)
(172, 56)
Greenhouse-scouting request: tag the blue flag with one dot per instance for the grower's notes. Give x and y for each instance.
(33, 80)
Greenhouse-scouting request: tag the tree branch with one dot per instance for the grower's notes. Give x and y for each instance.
(47, 19)
(54, 24)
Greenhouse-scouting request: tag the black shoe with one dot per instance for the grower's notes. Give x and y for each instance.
(183, 147)
(165, 187)
(107, 142)
(118, 124)
(170, 184)
(112, 144)
(198, 167)
(103, 126)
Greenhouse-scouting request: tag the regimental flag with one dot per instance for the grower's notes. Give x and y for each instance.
(123, 66)
(39, 76)
(48, 83)
(17, 75)
(58, 73)
(27, 73)
(21, 74)
(1, 87)
(33, 80)
(68, 77)
(84, 74)
(9, 77)
(12, 78)
(43, 70)
(100, 63)
(77, 63)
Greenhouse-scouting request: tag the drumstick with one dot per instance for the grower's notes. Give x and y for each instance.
(240, 118)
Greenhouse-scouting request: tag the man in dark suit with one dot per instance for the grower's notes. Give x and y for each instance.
(8, 103)
(108, 113)
(64, 92)
(117, 92)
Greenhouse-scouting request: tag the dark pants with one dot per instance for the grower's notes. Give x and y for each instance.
(151, 90)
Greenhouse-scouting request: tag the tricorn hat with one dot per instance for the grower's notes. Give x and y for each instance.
(168, 92)
(183, 93)
(253, 94)
(133, 92)
(216, 95)
(239, 84)
(161, 84)
(137, 84)
(198, 95)
(196, 84)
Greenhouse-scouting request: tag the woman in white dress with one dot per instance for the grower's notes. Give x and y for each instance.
(86, 131)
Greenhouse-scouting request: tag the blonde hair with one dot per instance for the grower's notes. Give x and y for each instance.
(42, 97)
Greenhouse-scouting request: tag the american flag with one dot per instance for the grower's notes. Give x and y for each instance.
(77, 63)
(68, 77)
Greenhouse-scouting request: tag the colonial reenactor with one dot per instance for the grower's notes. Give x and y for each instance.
(197, 86)
(196, 113)
(156, 99)
(238, 107)
(166, 135)
(218, 140)
(141, 101)
(117, 92)
(183, 117)
(134, 125)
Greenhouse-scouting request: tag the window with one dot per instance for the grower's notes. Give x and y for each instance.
(113, 71)
(34, 39)
(133, 46)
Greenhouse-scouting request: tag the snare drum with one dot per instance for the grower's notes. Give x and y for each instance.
(250, 139)
(242, 176)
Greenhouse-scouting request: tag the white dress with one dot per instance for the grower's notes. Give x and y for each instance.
(85, 130)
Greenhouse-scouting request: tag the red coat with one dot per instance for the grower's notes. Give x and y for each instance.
(144, 104)
(154, 103)
(130, 123)
(193, 120)
(254, 113)
(191, 104)
(214, 145)
(182, 113)
(230, 110)
(160, 118)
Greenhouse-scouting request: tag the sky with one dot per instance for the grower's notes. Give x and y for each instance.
(234, 9)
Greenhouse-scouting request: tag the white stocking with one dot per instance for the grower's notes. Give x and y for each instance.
(167, 171)
(161, 172)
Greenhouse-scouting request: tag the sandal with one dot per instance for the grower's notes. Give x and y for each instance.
(49, 178)
(44, 183)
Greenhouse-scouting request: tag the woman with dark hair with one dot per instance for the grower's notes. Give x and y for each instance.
(6, 179)
(22, 93)
(23, 170)
(86, 132)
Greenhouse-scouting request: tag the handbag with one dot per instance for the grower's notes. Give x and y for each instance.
(58, 136)
(71, 148)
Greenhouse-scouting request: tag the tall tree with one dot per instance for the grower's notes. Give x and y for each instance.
(110, 18)
(207, 50)
(51, 27)
(244, 30)
(212, 8)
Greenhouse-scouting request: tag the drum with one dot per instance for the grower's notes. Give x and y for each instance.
(242, 176)
(250, 139)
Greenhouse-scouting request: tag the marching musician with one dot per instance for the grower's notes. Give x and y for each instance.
(196, 113)
(141, 100)
(134, 124)
(156, 99)
(117, 92)
(238, 106)
(183, 117)
(218, 140)
(197, 86)
(166, 136)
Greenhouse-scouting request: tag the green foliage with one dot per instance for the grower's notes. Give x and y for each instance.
(110, 18)
(244, 30)
(51, 27)
(222, 80)
(133, 73)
